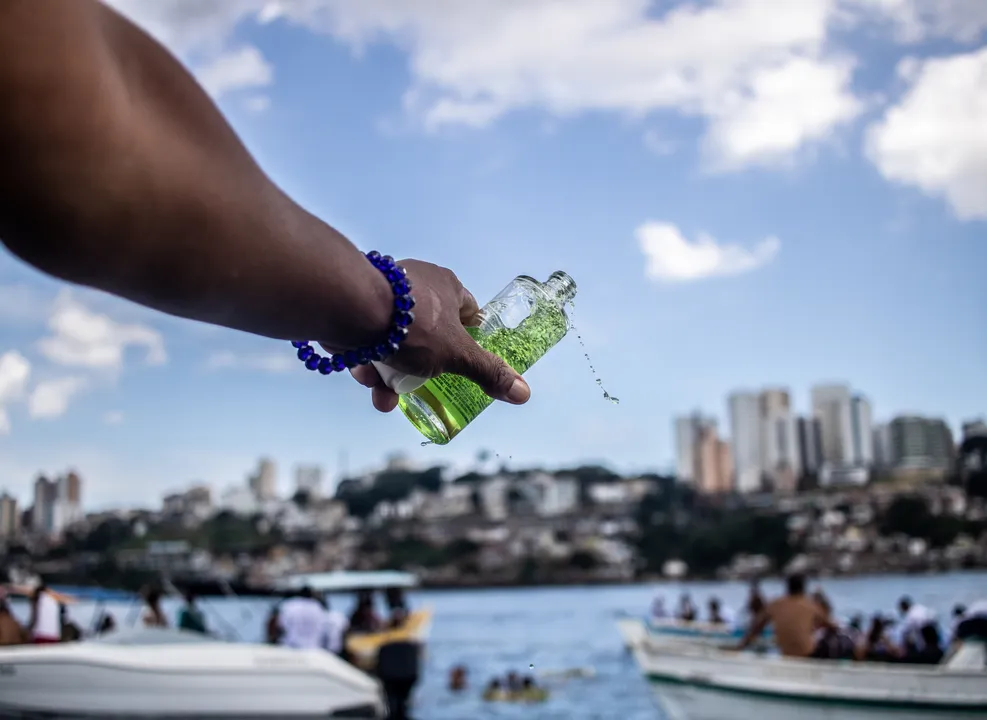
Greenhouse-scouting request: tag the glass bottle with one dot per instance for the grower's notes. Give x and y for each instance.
(522, 323)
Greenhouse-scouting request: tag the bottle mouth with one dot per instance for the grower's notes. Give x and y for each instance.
(562, 285)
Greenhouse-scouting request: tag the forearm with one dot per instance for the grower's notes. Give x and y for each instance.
(121, 174)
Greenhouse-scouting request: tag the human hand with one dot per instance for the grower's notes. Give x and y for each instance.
(438, 342)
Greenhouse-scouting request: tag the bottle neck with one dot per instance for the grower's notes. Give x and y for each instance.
(561, 287)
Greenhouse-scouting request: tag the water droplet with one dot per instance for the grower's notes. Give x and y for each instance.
(426, 442)
(531, 666)
(589, 361)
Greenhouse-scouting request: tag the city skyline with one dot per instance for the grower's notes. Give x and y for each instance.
(755, 213)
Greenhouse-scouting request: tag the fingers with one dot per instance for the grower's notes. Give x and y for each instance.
(492, 374)
(384, 399)
(469, 310)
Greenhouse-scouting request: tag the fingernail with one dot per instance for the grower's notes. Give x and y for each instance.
(519, 392)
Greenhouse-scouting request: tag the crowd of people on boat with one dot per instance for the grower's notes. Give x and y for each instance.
(306, 620)
(804, 624)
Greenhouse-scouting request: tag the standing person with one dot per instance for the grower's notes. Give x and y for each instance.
(914, 617)
(153, 614)
(795, 618)
(119, 173)
(11, 632)
(303, 622)
(336, 626)
(45, 624)
(190, 617)
(70, 631)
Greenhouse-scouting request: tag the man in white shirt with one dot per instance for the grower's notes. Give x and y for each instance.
(914, 617)
(304, 622)
(336, 626)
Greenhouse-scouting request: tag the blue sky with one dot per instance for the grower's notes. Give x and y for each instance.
(747, 194)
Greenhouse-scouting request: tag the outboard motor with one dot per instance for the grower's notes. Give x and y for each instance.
(398, 668)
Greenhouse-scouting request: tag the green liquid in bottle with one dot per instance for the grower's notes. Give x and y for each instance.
(443, 406)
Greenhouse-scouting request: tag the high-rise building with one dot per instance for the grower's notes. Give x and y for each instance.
(308, 479)
(713, 463)
(745, 430)
(44, 513)
(861, 422)
(264, 483)
(881, 441)
(779, 440)
(832, 406)
(920, 443)
(73, 489)
(687, 432)
(10, 518)
(810, 444)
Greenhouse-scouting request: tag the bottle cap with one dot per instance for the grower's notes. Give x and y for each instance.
(399, 382)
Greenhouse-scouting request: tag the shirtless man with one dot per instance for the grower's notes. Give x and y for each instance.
(795, 618)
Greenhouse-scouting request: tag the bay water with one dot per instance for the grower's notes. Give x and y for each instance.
(543, 631)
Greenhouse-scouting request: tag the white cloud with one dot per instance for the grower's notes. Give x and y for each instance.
(83, 338)
(920, 20)
(671, 257)
(257, 103)
(473, 62)
(934, 139)
(15, 371)
(263, 362)
(238, 69)
(50, 399)
(113, 417)
(658, 144)
(786, 108)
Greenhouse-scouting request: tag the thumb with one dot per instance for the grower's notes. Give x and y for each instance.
(494, 376)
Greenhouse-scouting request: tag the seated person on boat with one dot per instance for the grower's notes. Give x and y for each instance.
(795, 617)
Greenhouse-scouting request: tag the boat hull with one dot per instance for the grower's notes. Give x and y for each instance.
(680, 701)
(694, 681)
(183, 680)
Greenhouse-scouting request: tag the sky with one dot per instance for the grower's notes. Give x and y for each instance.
(747, 193)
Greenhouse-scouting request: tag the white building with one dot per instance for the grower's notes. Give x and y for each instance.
(240, 501)
(493, 498)
(308, 479)
(780, 458)
(264, 483)
(745, 430)
(861, 418)
(558, 495)
(687, 432)
(832, 406)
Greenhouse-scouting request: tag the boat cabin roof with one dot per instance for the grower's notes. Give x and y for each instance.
(346, 581)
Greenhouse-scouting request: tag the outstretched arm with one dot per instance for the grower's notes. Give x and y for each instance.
(120, 173)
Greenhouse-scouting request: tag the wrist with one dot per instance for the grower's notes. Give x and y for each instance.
(368, 313)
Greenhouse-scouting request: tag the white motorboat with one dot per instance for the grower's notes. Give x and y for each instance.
(698, 681)
(635, 630)
(161, 673)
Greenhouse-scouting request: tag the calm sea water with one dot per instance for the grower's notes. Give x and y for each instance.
(494, 631)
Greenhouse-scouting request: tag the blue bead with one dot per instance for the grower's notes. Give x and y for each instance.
(313, 361)
(401, 287)
(363, 356)
(304, 352)
(397, 335)
(338, 363)
(350, 358)
(381, 351)
(392, 348)
(325, 365)
(404, 302)
(387, 261)
(373, 256)
(299, 343)
(403, 319)
(393, 275)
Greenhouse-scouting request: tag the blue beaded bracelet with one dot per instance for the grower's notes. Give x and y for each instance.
(400, 322)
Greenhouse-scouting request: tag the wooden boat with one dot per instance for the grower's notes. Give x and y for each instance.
(697, 681)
